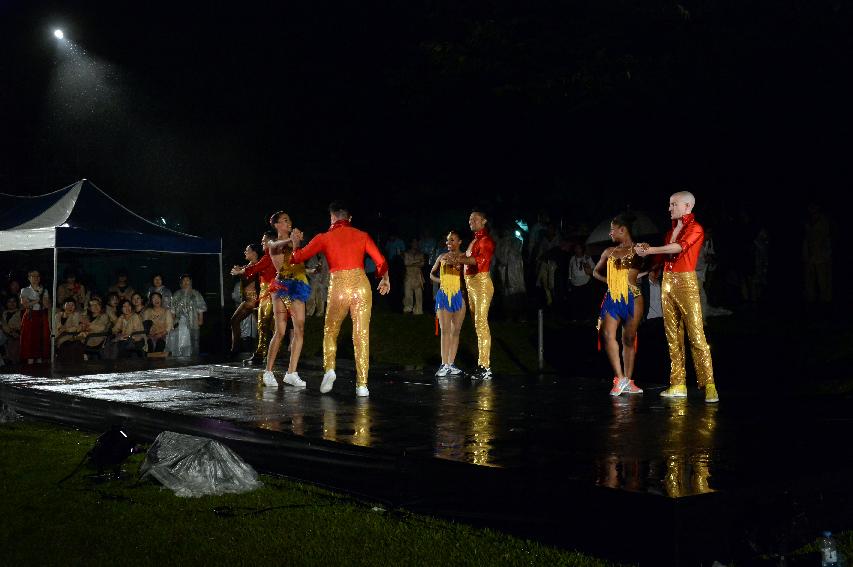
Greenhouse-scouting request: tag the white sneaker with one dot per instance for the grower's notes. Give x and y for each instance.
(361, 392)
(454, 370)
(269, 379)
(328, 381)
(443, 370)
(293, 379)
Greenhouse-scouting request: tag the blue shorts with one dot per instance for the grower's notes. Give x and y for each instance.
(619, 310)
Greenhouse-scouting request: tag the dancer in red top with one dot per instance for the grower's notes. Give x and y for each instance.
(264, 270)
(349, 289)
(477, 260)
(680, 298)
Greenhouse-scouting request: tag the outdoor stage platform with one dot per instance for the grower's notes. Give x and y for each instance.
(637, 478)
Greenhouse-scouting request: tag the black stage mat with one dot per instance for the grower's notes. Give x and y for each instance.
(635, 478)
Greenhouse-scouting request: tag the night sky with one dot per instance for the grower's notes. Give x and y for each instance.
(417, 110)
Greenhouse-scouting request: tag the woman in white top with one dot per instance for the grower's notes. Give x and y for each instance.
(35, 323)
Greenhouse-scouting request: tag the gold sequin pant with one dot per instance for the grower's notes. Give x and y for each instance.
(266, 322)
(682, 308)
(349, 292)
(480, 292)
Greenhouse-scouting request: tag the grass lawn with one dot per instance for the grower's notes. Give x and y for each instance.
(84, 522)
(409, 340)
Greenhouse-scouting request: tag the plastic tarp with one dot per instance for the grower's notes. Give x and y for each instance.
(83, 216)
(195, 466)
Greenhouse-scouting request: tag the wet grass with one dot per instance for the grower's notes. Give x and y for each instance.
(410, 340)
(120, 522)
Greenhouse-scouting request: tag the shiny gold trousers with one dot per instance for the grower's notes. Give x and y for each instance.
(349, 291)
(682, 307)
(480, 292)
(266, 322)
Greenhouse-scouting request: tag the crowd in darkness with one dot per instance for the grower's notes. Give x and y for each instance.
(118, 322)
(548, 265)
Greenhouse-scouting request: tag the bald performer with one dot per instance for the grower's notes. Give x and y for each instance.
(680, 298)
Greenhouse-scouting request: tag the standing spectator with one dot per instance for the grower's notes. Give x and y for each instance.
(706, 264)
(73, 290)
(413, 292)
(817, 257)
(318, 278)
(35, 323)
(10, 322)
(546, 263)
(158, 323)
(158, 287)
(122, 287)
(394, 247)
(68, 329)
(582, 291)
(509, 268)
(189, 308)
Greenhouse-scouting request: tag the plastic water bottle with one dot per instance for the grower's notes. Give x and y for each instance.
(828, 551)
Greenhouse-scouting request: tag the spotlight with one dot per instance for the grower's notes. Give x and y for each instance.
(58, 34)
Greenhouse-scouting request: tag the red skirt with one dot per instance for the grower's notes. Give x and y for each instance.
(35, 335)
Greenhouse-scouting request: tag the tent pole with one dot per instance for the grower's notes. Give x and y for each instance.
(53, 306)
(221, 298)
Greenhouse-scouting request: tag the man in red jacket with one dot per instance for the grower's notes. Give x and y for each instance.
(349, 289)
(680, 298)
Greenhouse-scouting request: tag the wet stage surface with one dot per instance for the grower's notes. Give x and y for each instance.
(566, 431)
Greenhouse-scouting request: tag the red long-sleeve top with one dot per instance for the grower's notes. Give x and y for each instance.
(690, 239)
(482, 250)
(263, 268)
(344, 247)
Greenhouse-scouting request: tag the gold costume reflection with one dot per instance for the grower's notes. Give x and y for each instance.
(687, 471)
(463, 433)
(330, 418)
(686, 444)
(361, 422)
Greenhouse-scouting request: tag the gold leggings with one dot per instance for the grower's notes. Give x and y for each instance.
(266, 323)
(682, 307)
(349, 291)
(480, 292)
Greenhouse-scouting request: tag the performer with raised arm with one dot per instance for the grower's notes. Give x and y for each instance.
(265, 271)
(619, 267)
(248, 295)
(680, 298)
(289, 291)
(349, 289)
(477, 260)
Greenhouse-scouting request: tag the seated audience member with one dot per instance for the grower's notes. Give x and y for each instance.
(111, 308)
(158, 322)
(122, 287)
(10, 322)
(68, 329)
(129, 334)
(137, 303)
(71, 289)
(97, 327)
(165, 292)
